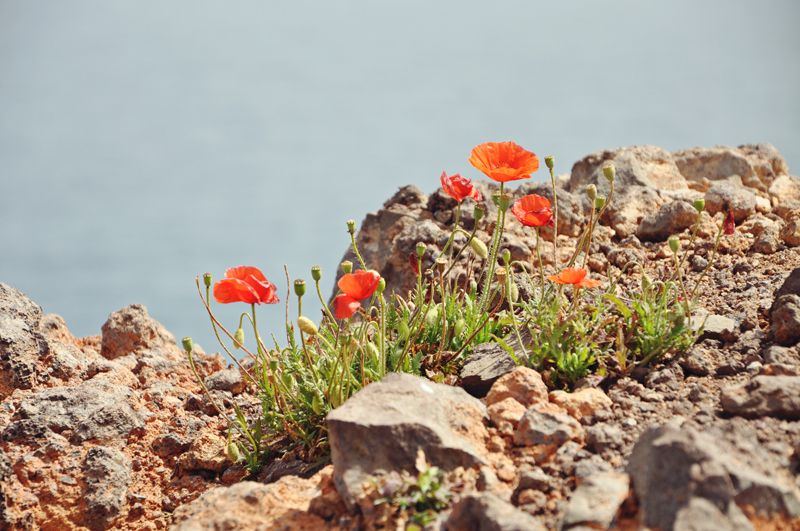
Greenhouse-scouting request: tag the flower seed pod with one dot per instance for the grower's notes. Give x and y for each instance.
(273, 365)
(599, 202)
(458, 329)
(432, 317)
(674, 244)
(550, 162)
(700, 204)
(316, 273)
(381, 285)
(207, 279)
(351, 226)
(514, 293)
(233, 452)
(478, 212)
(479, 248)
(347, 267)
(506, 256)
(504, 202)
(610, 172)
(307, 325)
(441, 264)
(500, 272)
(188, 345)
(496, 198)
(238, 336)
(591, 192)
(316, 405)
(421, 249)
(299, 287)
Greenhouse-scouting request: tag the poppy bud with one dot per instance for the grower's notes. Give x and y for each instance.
(345, 339)
(233, 452)
(316, 273)
(420, 249)
(414, 261)
(187, 344)
(238, 336)
(504, 202)
(729, 225)
(441, 263)
(674, 244)
(373, 350)
(699, 204)
(506, 256)
(432, 317)
(316, 405)
(599, 202)
(288, 381)
(479, 247)
(207, 279)
(501, 275)
(514, 293)
(347, 267)
(402, 330)
(458, 329)
(550, 162)
(307, 325)
(591, 192)
(351, 226)
(381, 285)
(273, 365)
(646, 281)
(478, 212)
(609, 172)
(299, 287)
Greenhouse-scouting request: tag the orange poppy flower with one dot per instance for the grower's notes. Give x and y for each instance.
(344, 306)
(459, 187)
(575, 276)
(359, 285)
(504, 161)
(533, 211)
(245, 284)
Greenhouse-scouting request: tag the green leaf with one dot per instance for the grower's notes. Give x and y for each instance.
(626, 313)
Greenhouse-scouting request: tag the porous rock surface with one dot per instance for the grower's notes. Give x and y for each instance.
(113, 431)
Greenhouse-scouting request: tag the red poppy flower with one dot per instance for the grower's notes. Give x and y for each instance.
(359, 285)
(504, 161)
(575, 276)
(729, 225)
(413, 260)
(245, 284)
(533, 211)
(344, 306)
(459, 187)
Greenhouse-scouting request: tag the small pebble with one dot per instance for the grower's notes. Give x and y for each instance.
(754, 367)
(68, 480)
(630, 422)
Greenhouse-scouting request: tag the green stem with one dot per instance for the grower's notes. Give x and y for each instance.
(541, 267)
(452, 234)
(555, 222)
(458, 255)
(710, 261)
(325, 306)
(355, 250)
(501, 218)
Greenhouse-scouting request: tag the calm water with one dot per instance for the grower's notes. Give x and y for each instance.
(145, 143)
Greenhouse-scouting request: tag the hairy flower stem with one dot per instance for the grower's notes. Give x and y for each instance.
(444, 316)
(539, 257)
(589, 242)
(689, 247)
(555, 224)
(710, 261)
(453, 233)
(511, 309)
(382, 338)
(683, 288)
(470, 236)
(355, 250)
(499, 225)
(332, 321)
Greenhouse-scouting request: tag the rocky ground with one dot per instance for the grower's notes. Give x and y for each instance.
(113, 432)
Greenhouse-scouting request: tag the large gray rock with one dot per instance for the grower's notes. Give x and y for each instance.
(107, 473)
(785, 319)
(596, 501)
(227, 380)
(487, 512)
(758, 165)
(670, 219)
(21, 343)
(110, 425)
(726, 194)
(127, 331)
(764, 396)
(784, 188)
(673, 464)
(381, 427)
(487, 363)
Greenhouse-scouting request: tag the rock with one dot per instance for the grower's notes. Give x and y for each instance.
(487, 512)
(645, 166)
(169, 444)
(522, 384)
(127, 331)
(604, 436)
(505, 415)
(784, 188)
(107, 477)
(758, 165)
(54, 327)
(673, 464)
(702, 515)
(207, 452)
(487, 363)
(790, 233)
(381, 427)
(670, 219)
(226, 380)
(717, 327)
(787, 207)
(764, 396)
(790, 286)
(596, 501)
(582, 403)
(629, 207)
(768, 242)
(109, 425)
(738, 199)
(289, 503)
(572, 210)
(785, 319)
(546, 430)
(21, 343)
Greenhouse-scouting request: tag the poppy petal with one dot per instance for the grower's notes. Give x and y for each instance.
(242, 272)
(264, 289)
(359, 285)
(588, 283)
(504, 161)
(344, 307)
(230, 290)
(533, 211)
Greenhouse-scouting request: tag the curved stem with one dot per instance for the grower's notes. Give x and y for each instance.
(501, 218)
(555, 222)
(453, 233)
(355, 250)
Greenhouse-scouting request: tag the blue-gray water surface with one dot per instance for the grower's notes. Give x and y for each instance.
(145, 143)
